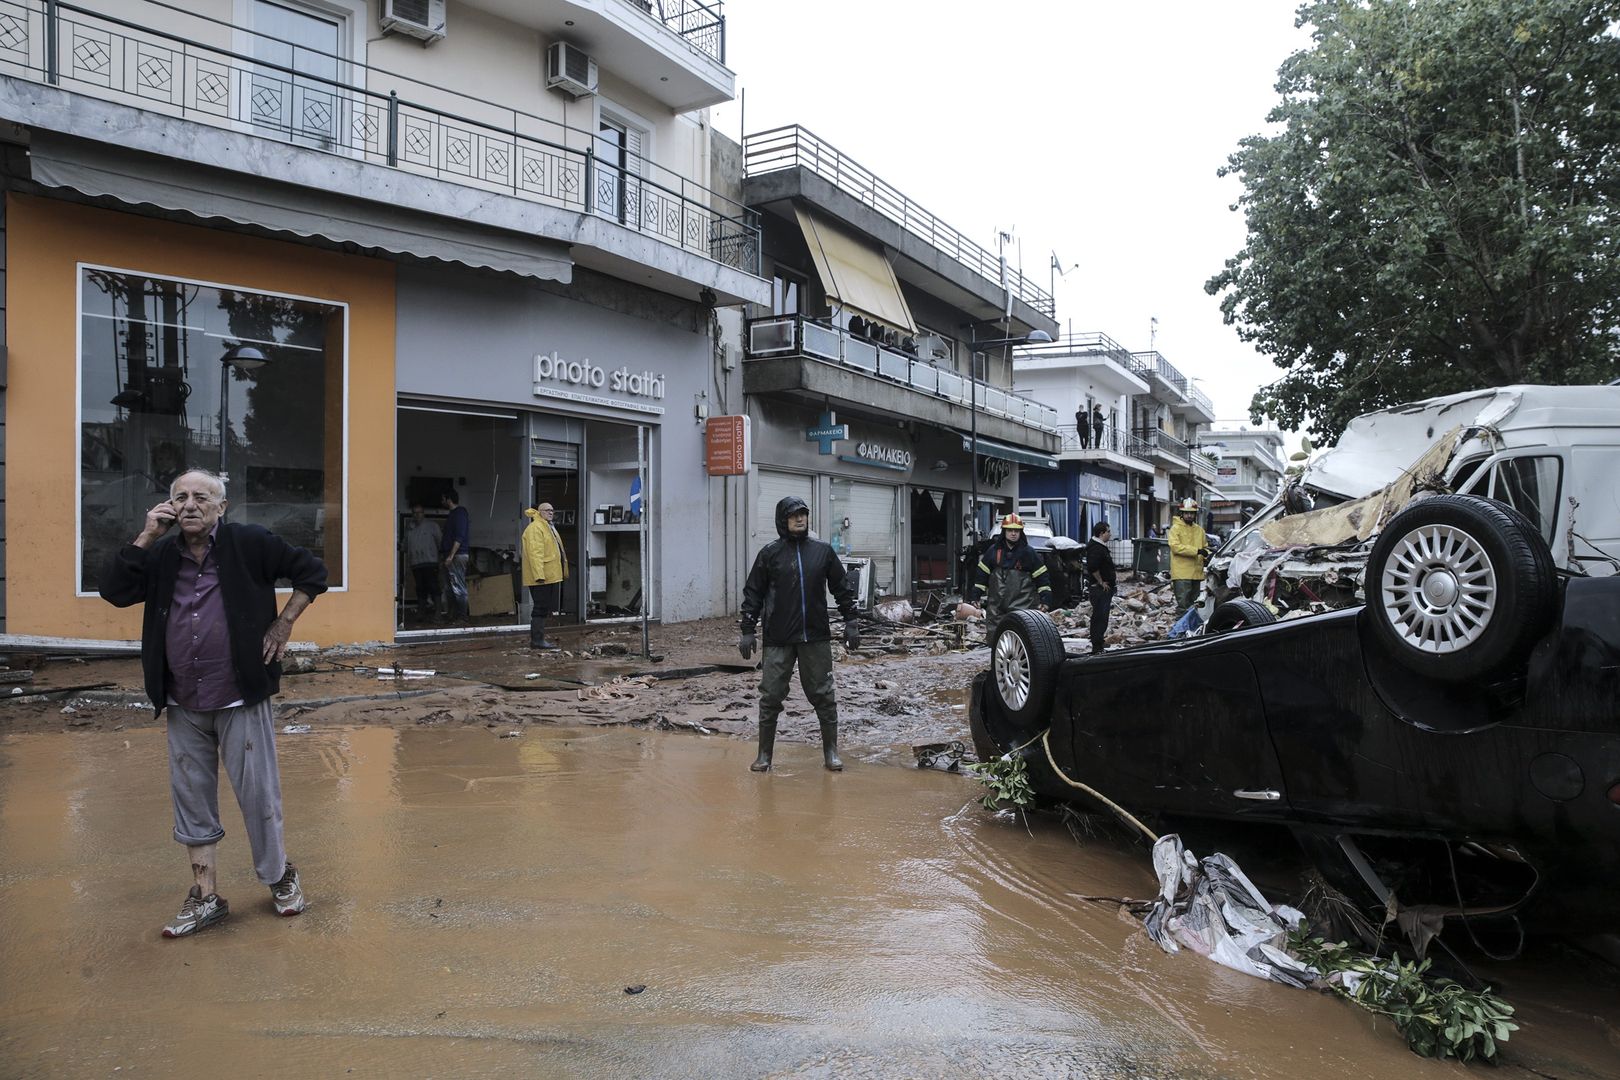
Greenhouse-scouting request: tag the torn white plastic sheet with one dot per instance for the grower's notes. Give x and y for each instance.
(1211, 907)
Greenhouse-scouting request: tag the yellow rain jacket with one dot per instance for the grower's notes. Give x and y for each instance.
(544, 560)
(1186, 541)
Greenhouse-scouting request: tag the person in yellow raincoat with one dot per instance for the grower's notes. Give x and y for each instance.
(1189, 548)
(545, 568)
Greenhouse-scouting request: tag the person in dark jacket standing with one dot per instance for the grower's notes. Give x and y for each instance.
(1100, 578)
(455, 547)
(1012, 575)
(211, 649)
(787, 588)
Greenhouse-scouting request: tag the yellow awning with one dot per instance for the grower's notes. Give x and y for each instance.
(854, 271)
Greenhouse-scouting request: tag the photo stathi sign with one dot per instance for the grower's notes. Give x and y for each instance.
(726, 449)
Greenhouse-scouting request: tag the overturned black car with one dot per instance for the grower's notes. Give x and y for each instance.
(1452, 745)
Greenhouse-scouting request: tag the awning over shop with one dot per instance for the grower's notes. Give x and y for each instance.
(989, 448)
(144, 180)
(854, 271)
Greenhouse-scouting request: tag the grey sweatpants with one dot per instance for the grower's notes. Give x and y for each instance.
(815, 678)
(245, 738)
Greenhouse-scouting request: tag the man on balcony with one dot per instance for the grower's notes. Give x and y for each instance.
(1082, 427)
(1098, 423)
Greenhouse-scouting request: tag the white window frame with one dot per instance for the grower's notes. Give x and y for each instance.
(78, 403)
(352, 16)
(608, 112)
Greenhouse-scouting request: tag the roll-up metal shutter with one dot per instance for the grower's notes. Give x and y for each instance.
(874, 527)
(770, 487)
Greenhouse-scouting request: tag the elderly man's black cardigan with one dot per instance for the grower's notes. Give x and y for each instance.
(251, 560)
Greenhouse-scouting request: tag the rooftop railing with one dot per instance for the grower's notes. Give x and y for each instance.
(325, 102)
(1166, 372)
(1089, 343)
(795, 148)
(795, 335)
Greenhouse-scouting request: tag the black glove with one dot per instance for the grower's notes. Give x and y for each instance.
(1203, 553)
(746, 643)
(852, 635)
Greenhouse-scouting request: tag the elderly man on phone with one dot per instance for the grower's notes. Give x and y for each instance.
(211, 649)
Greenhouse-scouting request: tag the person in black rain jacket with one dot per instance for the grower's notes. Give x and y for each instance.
(787, 589)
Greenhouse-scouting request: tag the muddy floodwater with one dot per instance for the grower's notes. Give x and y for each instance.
(480, 906)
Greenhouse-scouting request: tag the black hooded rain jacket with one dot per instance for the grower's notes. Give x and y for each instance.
(787, 588)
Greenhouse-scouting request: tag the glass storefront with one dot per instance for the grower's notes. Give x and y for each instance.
(178, 374)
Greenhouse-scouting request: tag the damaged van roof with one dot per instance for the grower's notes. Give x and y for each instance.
(1378, 446)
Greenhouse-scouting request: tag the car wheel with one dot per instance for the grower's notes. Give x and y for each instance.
(1024, 661)
(1458, 586)
(1237, 615)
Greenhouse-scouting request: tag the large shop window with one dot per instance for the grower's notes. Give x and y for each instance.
(164, 389)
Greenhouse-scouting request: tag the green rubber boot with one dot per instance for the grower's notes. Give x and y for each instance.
(767, 742)
(829, 747)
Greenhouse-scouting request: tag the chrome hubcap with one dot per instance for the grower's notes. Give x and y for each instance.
(1438, 589)
(1012, 670)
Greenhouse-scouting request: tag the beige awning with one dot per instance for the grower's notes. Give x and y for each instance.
(854, 271)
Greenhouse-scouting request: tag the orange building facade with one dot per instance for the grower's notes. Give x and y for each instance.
(123, 337)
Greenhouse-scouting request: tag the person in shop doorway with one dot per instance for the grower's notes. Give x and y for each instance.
(422, 538)
(1100, 578)
(788, 587)
(545, 568)
(211, 649)
(1189, 550)
(1082, 427)
(1012, 575)
(454, 547)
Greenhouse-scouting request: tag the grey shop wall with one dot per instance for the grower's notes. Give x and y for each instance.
(473, 337)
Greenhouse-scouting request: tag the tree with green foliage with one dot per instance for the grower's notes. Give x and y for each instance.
(1437, 208)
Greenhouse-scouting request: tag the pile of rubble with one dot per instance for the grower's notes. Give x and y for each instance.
(936, 622)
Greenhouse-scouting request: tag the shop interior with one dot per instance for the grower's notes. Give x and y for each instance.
(501, 463)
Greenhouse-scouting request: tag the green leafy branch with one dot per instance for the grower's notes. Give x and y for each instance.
(1438, 1017)
(1006, 779)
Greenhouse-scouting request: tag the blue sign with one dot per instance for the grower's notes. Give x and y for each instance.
(635, 496)
(827, 431)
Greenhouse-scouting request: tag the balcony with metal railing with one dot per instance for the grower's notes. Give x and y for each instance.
(781, 150)
(818, 360)
(1173, 388)
(1113, 445)
(186, 66)
(1107, 363)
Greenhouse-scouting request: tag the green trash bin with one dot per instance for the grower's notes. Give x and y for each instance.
(1150, 556)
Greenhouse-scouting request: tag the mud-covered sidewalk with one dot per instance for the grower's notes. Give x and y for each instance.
(906, 686)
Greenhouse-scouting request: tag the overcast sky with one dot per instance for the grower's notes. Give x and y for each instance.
(1099, 129)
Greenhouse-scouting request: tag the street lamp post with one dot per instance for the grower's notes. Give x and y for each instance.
(1034, 337)
(243, 358)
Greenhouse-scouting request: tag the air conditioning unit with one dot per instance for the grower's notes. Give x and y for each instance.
(418, 18)
(570, 69)
(932, 347)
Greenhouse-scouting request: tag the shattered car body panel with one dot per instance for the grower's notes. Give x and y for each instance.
(1552, 452)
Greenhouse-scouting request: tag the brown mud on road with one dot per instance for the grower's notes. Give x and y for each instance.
(480, 906)
(886, 703)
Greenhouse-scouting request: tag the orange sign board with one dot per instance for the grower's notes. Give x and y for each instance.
(725, 445)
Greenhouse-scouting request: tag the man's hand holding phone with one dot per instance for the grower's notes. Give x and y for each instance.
(159, 520)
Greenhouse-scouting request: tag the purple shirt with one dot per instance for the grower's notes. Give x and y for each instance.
(197, 639)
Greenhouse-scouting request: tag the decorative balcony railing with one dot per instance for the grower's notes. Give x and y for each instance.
(795, 148)
(795, 335)
(329, 103)
(1112, 439)
(700, 23)
(1166, 444)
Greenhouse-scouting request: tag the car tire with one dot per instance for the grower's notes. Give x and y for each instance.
(1459, 586)
(1239, 614)
(1025, 655)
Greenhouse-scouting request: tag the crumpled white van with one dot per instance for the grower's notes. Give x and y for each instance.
(1550, 452)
